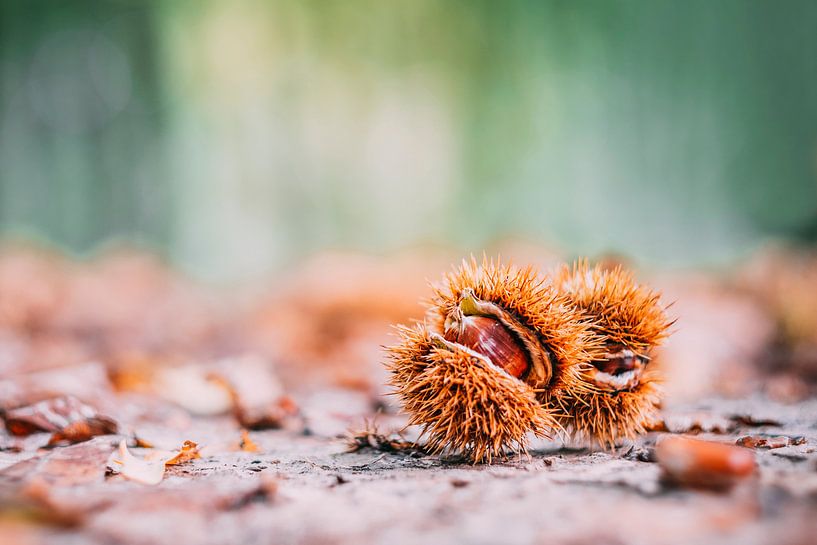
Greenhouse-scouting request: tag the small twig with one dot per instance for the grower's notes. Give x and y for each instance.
(370, 438)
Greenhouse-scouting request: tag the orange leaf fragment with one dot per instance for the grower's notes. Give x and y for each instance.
(189, 451)
(247, 444)
(83, 430)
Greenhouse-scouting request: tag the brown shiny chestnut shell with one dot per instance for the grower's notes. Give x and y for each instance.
(621, 369)
(489, 337)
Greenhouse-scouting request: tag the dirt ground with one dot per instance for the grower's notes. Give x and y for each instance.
(307, 489)
(107, 368)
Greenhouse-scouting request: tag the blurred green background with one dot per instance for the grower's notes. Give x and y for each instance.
(238, 136)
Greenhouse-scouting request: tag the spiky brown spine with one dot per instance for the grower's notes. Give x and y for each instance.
(562, 328)
(604, 418)
(624, 313)
(465, 404)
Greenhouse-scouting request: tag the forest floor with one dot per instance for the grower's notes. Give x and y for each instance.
(305, 487)
(140, 408)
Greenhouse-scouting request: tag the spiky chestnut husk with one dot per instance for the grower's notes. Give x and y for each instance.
(560, 330)
(464, 403)
(460, 379)
(623, 389)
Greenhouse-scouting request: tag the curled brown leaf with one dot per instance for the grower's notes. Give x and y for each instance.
(66, 417)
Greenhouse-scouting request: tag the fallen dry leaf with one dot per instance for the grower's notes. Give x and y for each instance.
(768, 441)
(271, 416)
(703, 464)
(189, 451)
(68, 418)
(247, 444)
(256, 393)
(69, 466)
(136, 469)
(77, 432)
(150, 469)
